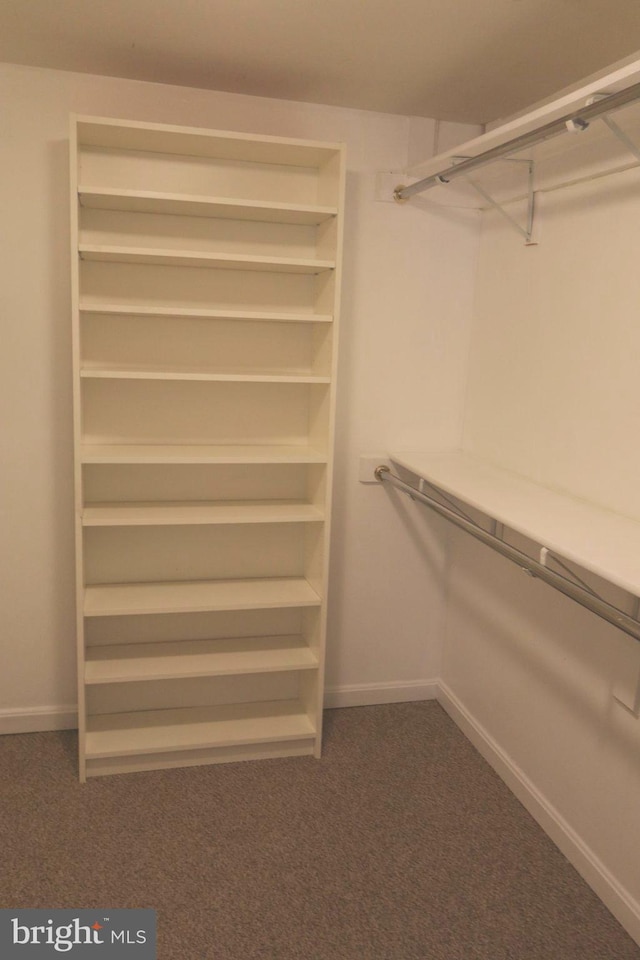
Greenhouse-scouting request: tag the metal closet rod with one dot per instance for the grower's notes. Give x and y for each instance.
(595, 604)
(576, 120)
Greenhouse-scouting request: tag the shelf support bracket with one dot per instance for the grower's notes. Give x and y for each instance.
(622, 136)
(546, 555)
(613, 126)
(527, 230)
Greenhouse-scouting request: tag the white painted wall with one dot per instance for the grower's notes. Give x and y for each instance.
(557, 335)
(406, 310)
(554, 395)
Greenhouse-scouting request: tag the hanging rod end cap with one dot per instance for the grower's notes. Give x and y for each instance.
(397, 194)
(379, 471)
(576, 125)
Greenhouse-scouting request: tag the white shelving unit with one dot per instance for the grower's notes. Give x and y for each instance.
(205, 300)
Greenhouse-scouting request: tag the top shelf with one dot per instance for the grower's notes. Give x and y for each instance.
(196, 142)
(598, 540)
(151, 168)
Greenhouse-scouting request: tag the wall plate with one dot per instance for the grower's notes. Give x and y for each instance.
(368, 463)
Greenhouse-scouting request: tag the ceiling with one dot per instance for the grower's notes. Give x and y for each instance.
(465, 60)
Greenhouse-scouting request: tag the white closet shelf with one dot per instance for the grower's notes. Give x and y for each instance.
(148, 372)
(197, 596)
(600, 541)
(196, 258)
(199, 453)
(122, 663)
(508, 139)
(146, 201)
(174, 513)
(196, 142)
(140, 310)
(189, 728)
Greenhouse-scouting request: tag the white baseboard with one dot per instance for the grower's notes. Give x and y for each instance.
(34, 719)
(618, 900)
(367, 694)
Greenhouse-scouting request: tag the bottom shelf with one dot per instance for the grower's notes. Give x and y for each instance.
(196, 728)
(107, 766)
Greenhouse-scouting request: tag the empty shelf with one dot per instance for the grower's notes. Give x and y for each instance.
(195, 258)
(201, 512)
(125, 599)
(153, 310)
(598, 540)
(120, 663)
(160, 731)
(143, 201)
(199, 453)
(131, 372)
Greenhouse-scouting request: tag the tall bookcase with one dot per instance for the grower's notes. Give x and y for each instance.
(205, 311)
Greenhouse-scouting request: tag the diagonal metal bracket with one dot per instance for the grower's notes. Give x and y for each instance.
(527, 230)
(546, 555)
(621, 135)
(613, 126)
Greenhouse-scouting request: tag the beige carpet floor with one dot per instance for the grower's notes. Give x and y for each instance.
(400, 844)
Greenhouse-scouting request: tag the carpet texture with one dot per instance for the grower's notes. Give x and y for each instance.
(400, 844)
